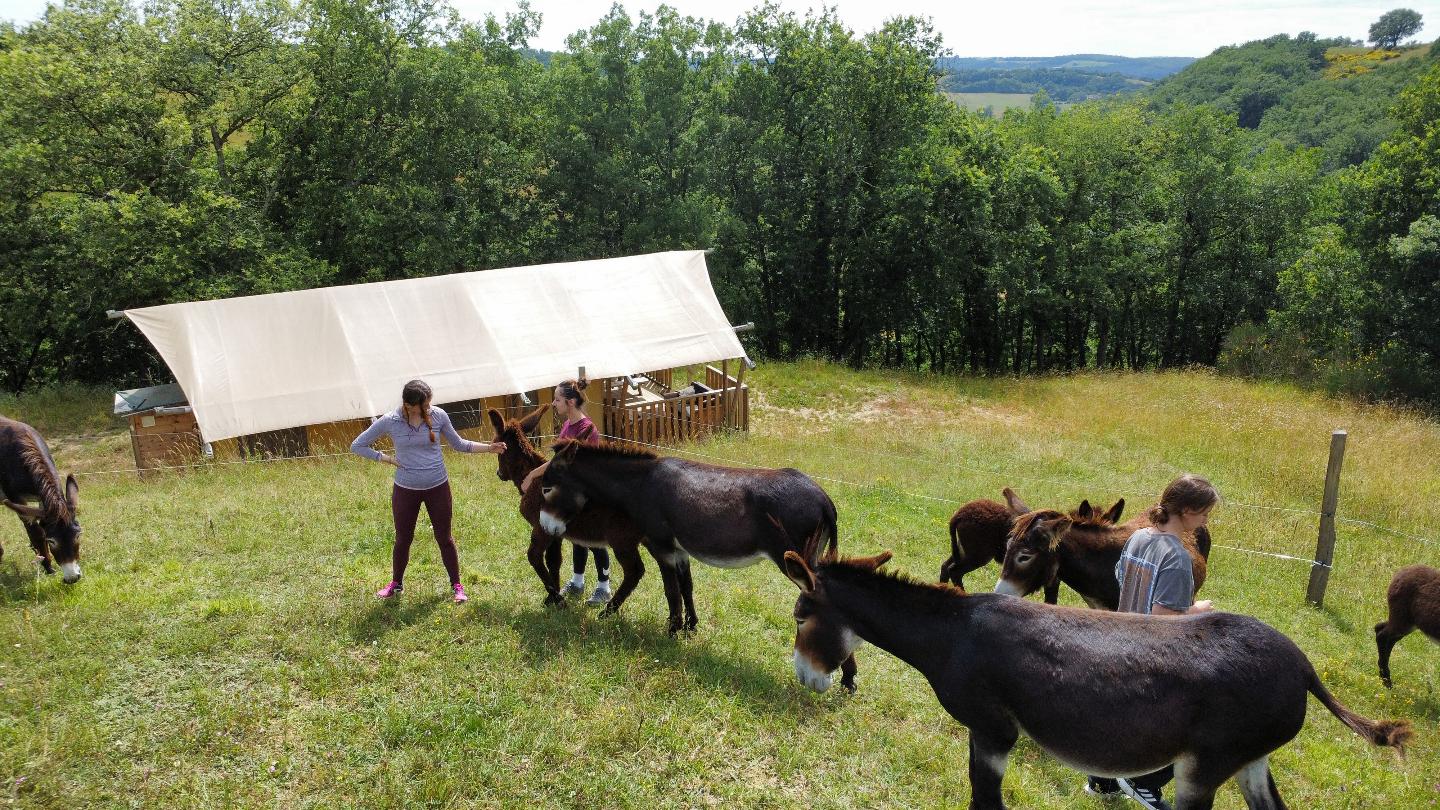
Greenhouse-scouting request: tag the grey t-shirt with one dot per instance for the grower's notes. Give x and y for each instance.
(1154, 567)
(421, 464)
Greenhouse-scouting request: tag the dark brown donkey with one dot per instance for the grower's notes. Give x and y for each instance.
(27, 472)
(721, 516)
(595, 526)
(1105, 693)
(980, 529)
(1083, 557)
(1414, 601)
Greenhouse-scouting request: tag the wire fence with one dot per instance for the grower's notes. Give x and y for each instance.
(706, 429)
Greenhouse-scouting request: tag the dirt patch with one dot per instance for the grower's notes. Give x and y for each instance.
(897, 408)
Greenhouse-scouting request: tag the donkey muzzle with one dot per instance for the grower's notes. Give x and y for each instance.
(1007, 588)
(70, 573)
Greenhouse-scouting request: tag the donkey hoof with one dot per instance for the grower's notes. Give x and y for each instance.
(45, 564)
(610, 610)
(848, 682)
(555, 600)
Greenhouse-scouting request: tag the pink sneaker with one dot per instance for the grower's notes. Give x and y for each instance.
(460, 597)
(389, 590)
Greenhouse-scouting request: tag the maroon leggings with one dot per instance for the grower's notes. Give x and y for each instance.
(405, 505)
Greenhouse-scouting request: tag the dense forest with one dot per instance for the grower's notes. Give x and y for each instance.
(211, 148)
(1060, 84)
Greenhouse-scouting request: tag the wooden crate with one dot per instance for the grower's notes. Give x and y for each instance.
(165, 440)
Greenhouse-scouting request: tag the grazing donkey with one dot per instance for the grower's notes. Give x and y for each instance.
(27, 473)
(1414, 600)
(977, 535)
(1105, 693)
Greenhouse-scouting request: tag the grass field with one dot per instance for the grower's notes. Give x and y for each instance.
(999, 102)
(224, 649)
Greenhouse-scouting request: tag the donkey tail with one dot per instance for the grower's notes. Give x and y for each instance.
(1391, 733)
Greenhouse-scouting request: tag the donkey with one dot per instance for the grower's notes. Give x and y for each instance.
(977, 535)
(980, 529)
(718, 515)
(1083, 556)
(596, 526)
(1115, 694)
(1414, 601)
(27, 472)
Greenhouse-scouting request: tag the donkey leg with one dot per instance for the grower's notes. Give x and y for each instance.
(632, 568)
(1196, 782)
(947, 568)
(687, 592)
(989, 754)
(1258, 786)
(847, 673)
(1385, 640)
(40, 546)
(539, 554)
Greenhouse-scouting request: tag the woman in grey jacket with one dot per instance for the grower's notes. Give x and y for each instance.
(420, 478)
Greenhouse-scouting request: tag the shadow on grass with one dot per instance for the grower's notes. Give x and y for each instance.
(1338, 621)
(22, 581)
(546, 632)
(392, 614)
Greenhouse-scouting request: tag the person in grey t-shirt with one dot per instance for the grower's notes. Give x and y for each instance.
(420, 478)
(1156, 577)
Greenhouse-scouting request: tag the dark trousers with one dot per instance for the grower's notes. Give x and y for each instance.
(405, 506)
(602, 562)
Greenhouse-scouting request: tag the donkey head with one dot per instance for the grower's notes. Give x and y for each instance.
(823, 639)
(520, 456)
(564, 494)
(1032, 552)
(55, 531)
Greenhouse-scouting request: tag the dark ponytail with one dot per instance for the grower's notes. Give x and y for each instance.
(571, 390)
(417, 393)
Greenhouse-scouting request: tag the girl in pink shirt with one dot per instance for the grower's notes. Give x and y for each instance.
(569, 405)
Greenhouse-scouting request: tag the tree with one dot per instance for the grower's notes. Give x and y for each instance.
(1394, 26)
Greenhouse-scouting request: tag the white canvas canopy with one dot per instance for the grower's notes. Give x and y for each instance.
(284, 360)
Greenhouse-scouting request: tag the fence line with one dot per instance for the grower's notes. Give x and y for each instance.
(734, 462)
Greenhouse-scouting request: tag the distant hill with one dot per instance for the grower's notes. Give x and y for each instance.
(1149, 68)
(1060, 84)
(1333, 94)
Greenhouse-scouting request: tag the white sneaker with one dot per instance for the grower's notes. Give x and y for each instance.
(601, 596)
(1147, 798)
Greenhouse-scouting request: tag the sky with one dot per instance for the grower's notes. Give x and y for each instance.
(1012, 28)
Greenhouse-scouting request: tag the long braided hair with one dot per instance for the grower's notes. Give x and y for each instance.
(417, 393)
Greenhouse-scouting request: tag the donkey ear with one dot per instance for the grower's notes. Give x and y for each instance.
(1017, 506)
(26, 511)
(1057, 529)
(1085, 511)
(1113, 516)
(566, 448)
(530, 420)
(72, 492)
(496, 421)
(799, 573)
(874, 562)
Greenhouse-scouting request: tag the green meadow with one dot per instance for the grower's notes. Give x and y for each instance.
(224, 648)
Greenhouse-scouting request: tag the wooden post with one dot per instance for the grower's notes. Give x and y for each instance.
(1325, 545)
(725, 394)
